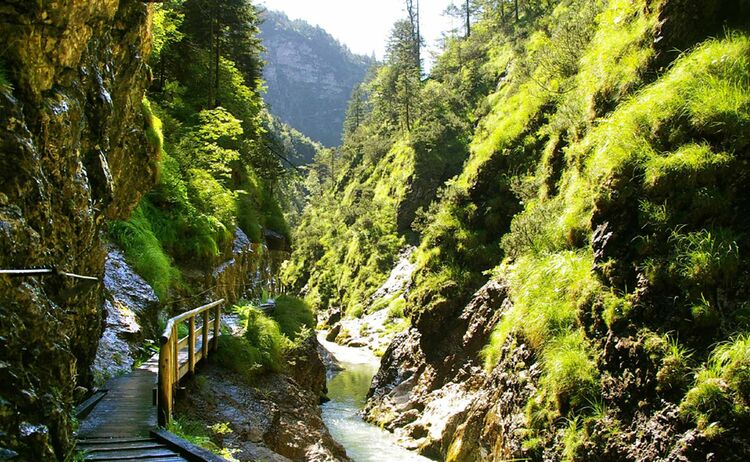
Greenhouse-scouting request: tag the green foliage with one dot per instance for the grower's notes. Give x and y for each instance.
(573, 439)
(293, 315)
(213, 144)
(219, 175)
(195, 432)
(706, 258)
(721, 393)
(5, 85)
(264, 335)
(137, 238)
(165, 27)
(605, 185)
(675, 366)
(547, 293)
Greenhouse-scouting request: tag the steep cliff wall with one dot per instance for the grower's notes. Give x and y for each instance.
(310, 76)
(74, 154)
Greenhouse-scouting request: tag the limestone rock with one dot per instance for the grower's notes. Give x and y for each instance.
(131, 308)
(74, 153)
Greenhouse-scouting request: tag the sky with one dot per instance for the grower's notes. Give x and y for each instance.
(364, 25)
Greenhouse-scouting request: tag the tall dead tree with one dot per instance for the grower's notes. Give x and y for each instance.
(412, 9)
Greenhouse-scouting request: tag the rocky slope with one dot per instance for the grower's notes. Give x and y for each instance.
(274, 418)
(74, 155)
(579, 290)
(310, 76)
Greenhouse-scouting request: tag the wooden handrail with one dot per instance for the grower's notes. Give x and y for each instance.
(171, 369)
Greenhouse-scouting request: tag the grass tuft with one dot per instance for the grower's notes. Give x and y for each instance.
(721, 394)
(144, 251)
(5, 85)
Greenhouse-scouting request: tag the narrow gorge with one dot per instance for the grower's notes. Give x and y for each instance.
(529, 244)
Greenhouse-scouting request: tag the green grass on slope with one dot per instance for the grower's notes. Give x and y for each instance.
(293, 315)
(136, 237)
(547, 293)
(721, 394)
(673, 145)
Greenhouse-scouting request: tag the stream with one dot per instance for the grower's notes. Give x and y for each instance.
(347, 390)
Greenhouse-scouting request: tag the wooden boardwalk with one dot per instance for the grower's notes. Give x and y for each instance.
(128, 408)
(119, 428)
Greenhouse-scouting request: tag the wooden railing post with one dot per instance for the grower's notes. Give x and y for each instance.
(204, 345)
(176, 358)
(217, 327)
(164, 400)
(191, 345)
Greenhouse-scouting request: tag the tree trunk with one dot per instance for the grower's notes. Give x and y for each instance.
(211, 96)
(468, 18)
(516, 10)
(216, 68)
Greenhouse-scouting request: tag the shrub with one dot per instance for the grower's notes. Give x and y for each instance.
(705, 258)
(265, 336)
(570, 373)
(293, 315)
(675, 366)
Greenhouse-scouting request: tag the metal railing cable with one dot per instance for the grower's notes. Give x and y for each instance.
(44, 271)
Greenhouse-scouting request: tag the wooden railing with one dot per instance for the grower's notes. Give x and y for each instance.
(172, 367)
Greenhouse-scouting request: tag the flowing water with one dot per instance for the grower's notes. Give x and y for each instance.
(347, 389)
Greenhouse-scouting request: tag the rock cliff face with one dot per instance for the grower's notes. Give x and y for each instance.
(251, 269)
(131, 309)
(430, 374)
(310, 76)
(74, 154)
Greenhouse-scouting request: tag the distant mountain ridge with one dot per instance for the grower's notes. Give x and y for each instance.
(309, 75)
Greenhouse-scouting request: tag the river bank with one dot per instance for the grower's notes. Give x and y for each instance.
(347, 390)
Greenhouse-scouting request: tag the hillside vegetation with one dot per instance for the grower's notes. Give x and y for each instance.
(592, 156)
(222, 156)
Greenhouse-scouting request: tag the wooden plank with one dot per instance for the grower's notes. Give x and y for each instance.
(164, 402)
(144, 454)
(126, 411)
(106, 440)
(182, 371)
(183, 342)
(186, 449)
(176, 359)
(112, 447)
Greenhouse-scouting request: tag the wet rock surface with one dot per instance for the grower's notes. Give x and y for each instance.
(372, 330)
(131, 308)
(74, 153)
(422, 396)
